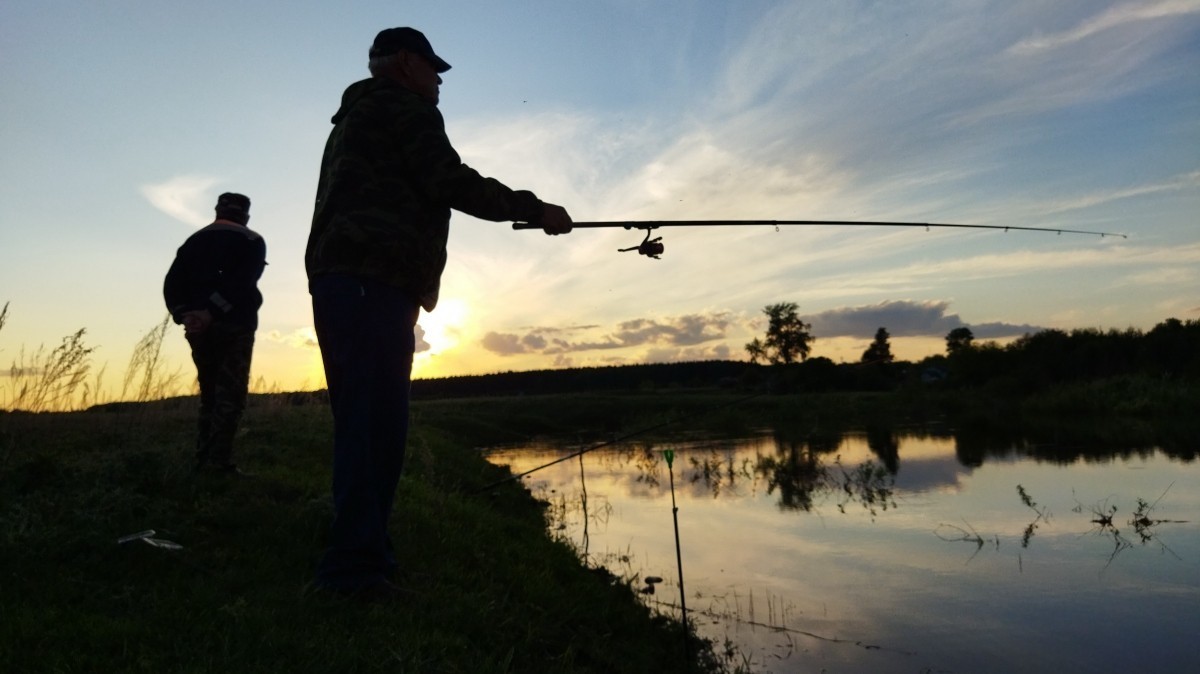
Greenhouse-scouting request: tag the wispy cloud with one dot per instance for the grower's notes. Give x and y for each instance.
(929, 275)
(185, 198)
(1113, 17)
(1186, 181)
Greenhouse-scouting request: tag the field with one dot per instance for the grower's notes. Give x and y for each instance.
(491, 592)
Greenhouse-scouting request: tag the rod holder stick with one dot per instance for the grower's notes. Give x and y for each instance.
(669, 455)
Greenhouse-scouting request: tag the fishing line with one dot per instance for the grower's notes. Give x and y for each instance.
(619, 439)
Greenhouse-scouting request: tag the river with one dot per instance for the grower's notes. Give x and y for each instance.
(896, 551)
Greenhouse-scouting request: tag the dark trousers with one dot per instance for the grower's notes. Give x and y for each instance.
(222, 356)
(365, 330)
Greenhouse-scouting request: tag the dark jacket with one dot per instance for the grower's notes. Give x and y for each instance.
(218, 268)
(389, 178)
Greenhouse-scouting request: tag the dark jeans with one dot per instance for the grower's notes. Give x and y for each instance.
(222, 356)
(365, 330)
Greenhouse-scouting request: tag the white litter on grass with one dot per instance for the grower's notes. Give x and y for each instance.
(145, 537)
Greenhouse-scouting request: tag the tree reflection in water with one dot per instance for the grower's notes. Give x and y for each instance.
(803, 476)
(796, 472)
(804, 471)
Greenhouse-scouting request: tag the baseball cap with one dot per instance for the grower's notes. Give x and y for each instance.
(232, 201)
(391, 40)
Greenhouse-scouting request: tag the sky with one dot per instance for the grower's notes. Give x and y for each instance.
(121, 122)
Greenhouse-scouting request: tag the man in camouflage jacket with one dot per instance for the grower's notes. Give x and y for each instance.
(376, 251)
(211, 289)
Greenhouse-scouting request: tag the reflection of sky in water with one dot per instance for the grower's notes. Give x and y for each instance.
(934, 573)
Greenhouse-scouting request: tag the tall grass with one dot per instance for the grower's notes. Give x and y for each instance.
(148, 377)
(51, 380)
(63, 379)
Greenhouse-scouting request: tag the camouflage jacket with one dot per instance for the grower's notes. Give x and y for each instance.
(217, 269)
(389, 178)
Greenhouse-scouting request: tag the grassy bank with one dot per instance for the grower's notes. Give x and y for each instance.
(491, 592)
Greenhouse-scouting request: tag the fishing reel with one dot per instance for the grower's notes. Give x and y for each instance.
(649, 247)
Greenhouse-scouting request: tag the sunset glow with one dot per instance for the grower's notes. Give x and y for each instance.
(1072, 115)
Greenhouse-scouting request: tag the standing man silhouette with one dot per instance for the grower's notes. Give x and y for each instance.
(212, 290)
(376, 251)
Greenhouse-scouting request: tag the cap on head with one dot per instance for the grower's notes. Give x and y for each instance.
(392, 40)
(233, 206)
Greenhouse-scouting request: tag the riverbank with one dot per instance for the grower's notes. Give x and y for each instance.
(491, 592)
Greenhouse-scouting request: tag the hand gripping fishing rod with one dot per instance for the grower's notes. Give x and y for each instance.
(654, 247)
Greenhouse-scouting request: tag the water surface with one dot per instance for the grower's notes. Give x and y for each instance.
(898, 552)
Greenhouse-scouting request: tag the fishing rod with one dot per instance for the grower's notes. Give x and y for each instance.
(654, 247)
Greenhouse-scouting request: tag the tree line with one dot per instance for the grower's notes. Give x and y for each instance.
(781, 360)
(1169, 350)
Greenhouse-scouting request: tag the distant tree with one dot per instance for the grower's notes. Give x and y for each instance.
(788, 338)
(757, 350)
(1173, 347)
(880, 350)
(958, 339)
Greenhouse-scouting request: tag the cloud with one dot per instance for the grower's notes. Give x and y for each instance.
(504, 344)
(958, 93)
(544, 330)
(681, 331)
(668, 355)
(926, 274)
(1180, 182)
(904, 318)
(1114, 17)
(419, 339)
(184, 198)
(534, 342)
(300, 338)
(677, 334)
